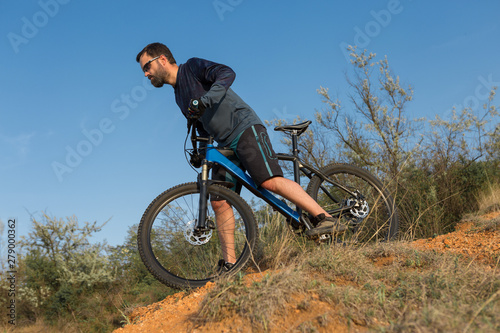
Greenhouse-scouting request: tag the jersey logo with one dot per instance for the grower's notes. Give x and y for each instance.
(264, 139)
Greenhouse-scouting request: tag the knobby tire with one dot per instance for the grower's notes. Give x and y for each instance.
(166, 249)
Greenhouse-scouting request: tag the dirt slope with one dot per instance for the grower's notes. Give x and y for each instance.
(466, 240)
(173, 313)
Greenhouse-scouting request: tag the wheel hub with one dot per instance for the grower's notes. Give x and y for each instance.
(359, 208)
(198, 238)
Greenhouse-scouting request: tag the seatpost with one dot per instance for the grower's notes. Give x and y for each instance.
(295, 152)
(296, 165)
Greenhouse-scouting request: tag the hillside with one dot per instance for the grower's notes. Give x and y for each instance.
(476, 241)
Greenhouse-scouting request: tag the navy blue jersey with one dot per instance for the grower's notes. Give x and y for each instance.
(226, 114)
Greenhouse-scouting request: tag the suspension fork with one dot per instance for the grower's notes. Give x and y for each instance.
(201, 224)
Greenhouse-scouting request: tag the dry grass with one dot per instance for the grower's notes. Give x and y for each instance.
(384, 287)
(413, 291)
(489, 200)
(43, 327)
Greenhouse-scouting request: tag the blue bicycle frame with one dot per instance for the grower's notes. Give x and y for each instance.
(214, 156)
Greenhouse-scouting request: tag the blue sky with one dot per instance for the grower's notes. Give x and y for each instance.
(82, 133)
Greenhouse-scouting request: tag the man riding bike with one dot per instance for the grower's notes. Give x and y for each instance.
(203, 92)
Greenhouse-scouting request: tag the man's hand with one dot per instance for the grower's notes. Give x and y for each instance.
(195, 109)
(196, 160)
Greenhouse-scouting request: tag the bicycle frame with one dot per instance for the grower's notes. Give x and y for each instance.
(214, 156)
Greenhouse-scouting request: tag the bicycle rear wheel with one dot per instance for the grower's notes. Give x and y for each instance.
(372, 218)
(177, 257)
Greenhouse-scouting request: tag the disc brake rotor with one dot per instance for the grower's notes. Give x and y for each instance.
(195, 239)
(360, 208)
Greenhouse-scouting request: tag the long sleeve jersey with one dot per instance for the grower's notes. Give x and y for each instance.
(226, 114)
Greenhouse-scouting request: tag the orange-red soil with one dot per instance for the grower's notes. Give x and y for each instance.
(174, 312)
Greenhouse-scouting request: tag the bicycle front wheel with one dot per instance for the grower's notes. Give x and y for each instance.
(372, 216)
(181, 258)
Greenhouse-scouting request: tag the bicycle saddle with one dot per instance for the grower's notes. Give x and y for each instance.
(301, 127)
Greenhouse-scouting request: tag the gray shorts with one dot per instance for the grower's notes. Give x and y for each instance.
(254, 154)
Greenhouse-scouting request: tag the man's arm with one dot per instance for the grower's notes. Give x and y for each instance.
(216, 76)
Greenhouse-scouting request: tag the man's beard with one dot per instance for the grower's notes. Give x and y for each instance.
(158, 80)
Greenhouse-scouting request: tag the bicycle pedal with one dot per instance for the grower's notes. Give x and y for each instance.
(325, 237)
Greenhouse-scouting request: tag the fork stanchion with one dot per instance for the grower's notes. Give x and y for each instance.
(203, 184)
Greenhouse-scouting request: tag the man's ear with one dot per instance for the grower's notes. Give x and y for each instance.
(163, 59)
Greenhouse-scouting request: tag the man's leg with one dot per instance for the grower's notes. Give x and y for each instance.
(295, 193)
(224, 218)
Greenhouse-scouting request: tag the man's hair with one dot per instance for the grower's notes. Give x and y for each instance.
(155, 50)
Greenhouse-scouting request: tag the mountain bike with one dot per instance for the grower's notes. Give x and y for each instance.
(181, 242)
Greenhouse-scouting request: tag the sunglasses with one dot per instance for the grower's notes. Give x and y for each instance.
(147, 65)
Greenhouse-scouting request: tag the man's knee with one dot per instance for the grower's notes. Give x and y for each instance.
(272, 184)
(219, 205)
